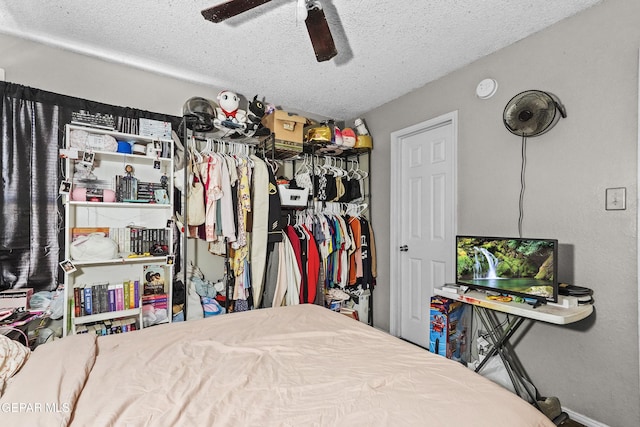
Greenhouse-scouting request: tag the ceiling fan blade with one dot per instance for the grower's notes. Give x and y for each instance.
(320, 35)
(230, 9)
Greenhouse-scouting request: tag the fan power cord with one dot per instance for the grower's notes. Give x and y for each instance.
(522, 184)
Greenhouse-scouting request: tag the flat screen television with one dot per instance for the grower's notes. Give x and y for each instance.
(507, 265)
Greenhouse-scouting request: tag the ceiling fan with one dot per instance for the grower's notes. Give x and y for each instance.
(311, 11)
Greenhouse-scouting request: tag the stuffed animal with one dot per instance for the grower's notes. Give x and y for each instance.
(348, 138)
(256, 110)
(83, 171)
(229, 117)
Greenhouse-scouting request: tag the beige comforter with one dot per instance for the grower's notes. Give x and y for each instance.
(289, 366)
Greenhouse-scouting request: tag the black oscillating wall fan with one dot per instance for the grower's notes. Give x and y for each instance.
(532, 113)
(314, 18)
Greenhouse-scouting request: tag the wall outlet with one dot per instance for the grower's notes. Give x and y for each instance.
(616, 199)
(1, 74)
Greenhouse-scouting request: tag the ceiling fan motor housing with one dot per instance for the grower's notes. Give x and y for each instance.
(532, 113)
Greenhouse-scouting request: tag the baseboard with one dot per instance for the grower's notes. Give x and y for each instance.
(582, 419)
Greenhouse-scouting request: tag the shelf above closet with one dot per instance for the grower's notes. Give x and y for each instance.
(270, 150)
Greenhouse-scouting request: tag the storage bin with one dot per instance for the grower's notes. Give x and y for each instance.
(293, 196)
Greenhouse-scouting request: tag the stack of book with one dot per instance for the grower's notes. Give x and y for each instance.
(126, 188)
(158, 301)
(108, 327)
(105, 297)
(129, 189)
(146, 191)
(142, 240)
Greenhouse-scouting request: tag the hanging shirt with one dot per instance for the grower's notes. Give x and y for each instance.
(313, 267)
(244, 202)
(260, 228)
(366, 278)
(294, 240)
(355, 260)
(275, 211)
(226, 204)
(212, 180)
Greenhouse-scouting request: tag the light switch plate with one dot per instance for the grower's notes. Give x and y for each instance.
(616, 199)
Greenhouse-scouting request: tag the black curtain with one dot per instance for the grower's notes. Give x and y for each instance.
(31, 218)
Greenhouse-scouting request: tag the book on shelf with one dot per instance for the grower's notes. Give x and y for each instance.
(109, 327)
(112, 297)
(105, 297)
(131, 298)
(126, 296)
(88, 306)
(156, 300)
(130, 189)
(135, 289)
(78, 306)
(85, 231)
(141, 240)
(119, 297)
(154, 276)
(126, 188)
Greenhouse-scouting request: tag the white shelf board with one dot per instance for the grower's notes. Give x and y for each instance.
(545, 313)
(105, 316)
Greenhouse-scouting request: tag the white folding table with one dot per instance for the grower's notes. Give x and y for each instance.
(499, 332)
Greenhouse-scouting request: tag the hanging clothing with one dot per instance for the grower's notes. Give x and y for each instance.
(271, 275)
(355, 260)
(211, 176)
(365, 279)
(287, 291)
(294, 241)
(260, 229)
(275, 211)
(226, 204)
(313, 267)
(243, 202)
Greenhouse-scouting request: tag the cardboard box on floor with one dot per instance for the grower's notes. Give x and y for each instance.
(450, 329)
(287, 128)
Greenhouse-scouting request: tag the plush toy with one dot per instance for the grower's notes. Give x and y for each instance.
(83, 171)
(229, 117)
(348, 138)
(255, 112)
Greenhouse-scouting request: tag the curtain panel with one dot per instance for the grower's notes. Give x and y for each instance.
(31, 212)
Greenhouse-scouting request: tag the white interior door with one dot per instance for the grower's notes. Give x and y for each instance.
(423, 222)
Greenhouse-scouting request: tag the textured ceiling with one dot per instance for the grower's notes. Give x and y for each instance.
(385, 48)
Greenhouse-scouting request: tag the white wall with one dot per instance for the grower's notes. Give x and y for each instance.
(60, 71)
(591, 62)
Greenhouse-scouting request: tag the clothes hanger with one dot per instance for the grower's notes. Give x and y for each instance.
(273, 164)
(195, 154)
(361, 208)
(363, 174)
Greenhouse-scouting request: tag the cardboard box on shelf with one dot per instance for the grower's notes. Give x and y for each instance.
(286, 127)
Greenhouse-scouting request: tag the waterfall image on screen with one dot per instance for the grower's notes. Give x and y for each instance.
(521, 267)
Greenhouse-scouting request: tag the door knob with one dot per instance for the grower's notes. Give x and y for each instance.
(404, 248)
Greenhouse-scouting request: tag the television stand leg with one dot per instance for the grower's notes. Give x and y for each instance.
(499, 335)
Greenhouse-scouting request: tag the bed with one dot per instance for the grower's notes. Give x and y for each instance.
(301, 365)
